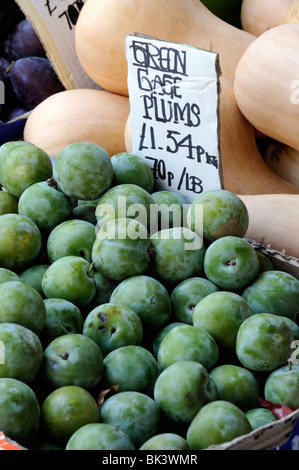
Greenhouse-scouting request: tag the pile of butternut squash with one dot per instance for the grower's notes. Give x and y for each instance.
(258, 98)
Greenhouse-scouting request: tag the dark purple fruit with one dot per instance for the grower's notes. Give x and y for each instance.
(33, 80)
(23, 41)
(10, 15)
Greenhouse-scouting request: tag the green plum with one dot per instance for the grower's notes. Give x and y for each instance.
(265, 263)
(63, 317)
(22, 304)
(236, 385)
(8, 275)
(274, 292)
(34, 276)
(187, 342)
(132, 368)
(135, 413)
(99, 436)
(23, 352)
(231, 263)
(221, 314)
(224, 214)
(8, 203)
(111, 326)
(260, 417)
(70, 278)
(126, 201)
(147, 297)
(129, 168)
(282, 386)
(43, 203)
(72, 359)
(264, 342)
(19, 410)
(23, 166)
(85, 212)
(165, 441)
(176, 254)
(172, 209)
(67, 409)
(104, 289)
(71, 238)
(121, 249)
(20, 241)
(160, 335)
(182, 389)
(186, 295)
(216, 423)
(83, 170)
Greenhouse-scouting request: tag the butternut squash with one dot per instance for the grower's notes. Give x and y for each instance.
(283, 160)
(266, 84)
(257, 16)
(85, 115)
(244, 170)
(104, 24)
(274, 221)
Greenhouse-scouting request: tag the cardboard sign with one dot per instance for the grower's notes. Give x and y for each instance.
(54, 22)
(174, 100)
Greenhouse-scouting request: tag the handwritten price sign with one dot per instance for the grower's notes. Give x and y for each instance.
(174, 100)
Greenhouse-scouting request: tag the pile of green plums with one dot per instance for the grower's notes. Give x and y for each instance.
(130, 318)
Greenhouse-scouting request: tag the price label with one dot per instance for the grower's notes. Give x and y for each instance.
(54, 22)
(174, 113)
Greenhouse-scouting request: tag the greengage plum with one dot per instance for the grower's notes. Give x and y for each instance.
(182, 389)
(23, 165)
(99, 436)
(63, 317)
(111, 326)
(259, 417)
(104, 289)
(274, 292)
(85, 212)
(34, 276)
(166, 441)
(70, 278)
(221, 314)
(129, 168)
(8, 275)
(186, 295)
(132, 368)
(231, 263)
(160, 335)
(19, 410)
(71, 238)
(224, 214)
(72, 359)
(215, 423)
(121, 249)
(237, 385)
(282, 386)
(126, 201)
(264, 342)
(33, 80)
(23, 352)
(135, 413)
(8, 203)
(83, 170)
(22, 304)
(172, 209)
(147, 297)
(67, 409)
(176, 254)
(43, 203)
(187, 342)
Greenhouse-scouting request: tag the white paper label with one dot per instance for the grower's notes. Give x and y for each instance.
(174, 101)
(54, 22)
